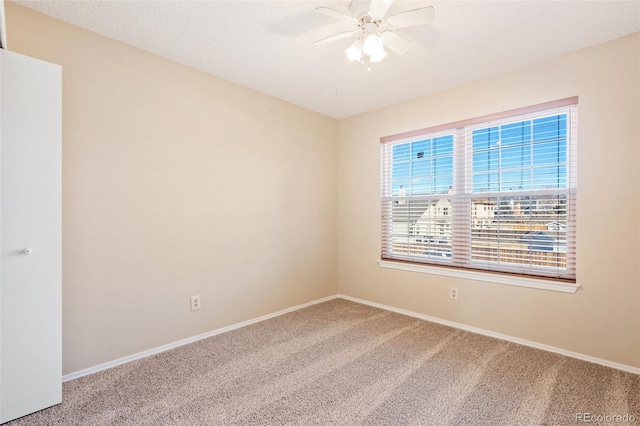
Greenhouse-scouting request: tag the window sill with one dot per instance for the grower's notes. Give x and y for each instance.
(539, 283)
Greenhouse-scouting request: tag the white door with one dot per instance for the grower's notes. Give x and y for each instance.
(30, 221)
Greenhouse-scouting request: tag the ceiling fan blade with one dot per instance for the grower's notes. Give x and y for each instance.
(359, 7)
(411, 18)
(335, 37)
(395, 42)
(378, 8)
(335, 14)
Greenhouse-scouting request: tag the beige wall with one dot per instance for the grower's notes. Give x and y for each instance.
(177, 183)
(603, 318)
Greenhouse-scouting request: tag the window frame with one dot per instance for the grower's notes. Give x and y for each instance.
(463, 169)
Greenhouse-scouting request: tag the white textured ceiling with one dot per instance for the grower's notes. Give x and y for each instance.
(268, 45)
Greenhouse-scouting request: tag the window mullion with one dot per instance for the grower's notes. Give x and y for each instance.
(461, 201)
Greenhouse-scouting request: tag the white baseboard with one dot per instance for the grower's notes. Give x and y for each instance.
(476, 330)
(186, 341)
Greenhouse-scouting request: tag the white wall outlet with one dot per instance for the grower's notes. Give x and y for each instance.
(453, 293)
(195, 302)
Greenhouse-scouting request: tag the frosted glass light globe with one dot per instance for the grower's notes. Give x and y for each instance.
(373, 45)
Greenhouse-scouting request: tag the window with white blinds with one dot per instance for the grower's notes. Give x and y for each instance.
(495, 193)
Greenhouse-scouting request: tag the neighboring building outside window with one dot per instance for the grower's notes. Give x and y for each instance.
(495, 194)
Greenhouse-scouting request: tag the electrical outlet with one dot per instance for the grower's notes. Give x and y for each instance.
(195, 302)
(453, 293)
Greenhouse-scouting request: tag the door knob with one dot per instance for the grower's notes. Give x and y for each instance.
(28, 251)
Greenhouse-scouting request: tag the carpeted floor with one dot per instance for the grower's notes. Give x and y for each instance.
(345, 363)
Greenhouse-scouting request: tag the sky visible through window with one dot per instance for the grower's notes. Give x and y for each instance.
(521, 156)
(423, 167)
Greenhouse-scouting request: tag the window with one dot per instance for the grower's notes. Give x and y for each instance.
(495, 193)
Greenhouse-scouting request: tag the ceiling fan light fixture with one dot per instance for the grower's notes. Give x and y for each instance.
(373, 46)
(378, 56)
(376, 30)
(354, 52)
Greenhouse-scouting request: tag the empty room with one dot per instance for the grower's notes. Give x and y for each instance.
(348, 212)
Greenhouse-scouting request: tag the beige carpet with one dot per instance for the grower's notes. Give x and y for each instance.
(344, 363)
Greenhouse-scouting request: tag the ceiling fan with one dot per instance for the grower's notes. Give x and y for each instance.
(375, 32)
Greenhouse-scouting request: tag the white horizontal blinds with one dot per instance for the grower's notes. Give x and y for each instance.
(417, 184)
(520, 182)
(498, 195)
